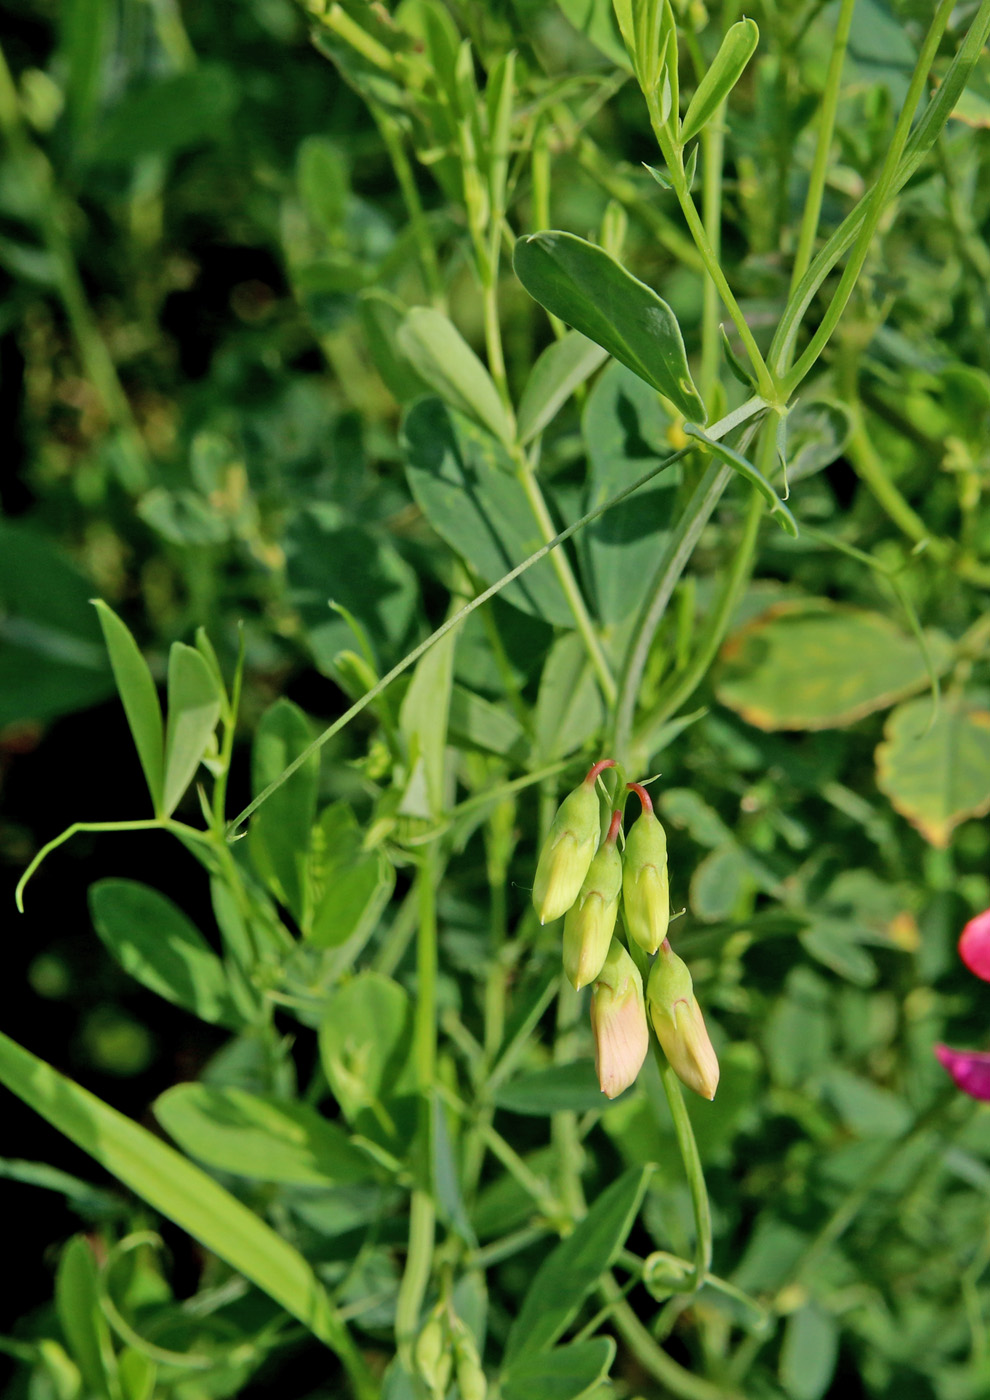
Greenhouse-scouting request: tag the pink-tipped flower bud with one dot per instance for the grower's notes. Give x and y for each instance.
(590, 920)
(970, 1069)
(569, 848)
(618, 1022)
(679, 1024)
(645, 888)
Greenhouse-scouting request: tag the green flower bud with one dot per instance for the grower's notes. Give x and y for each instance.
(569, 848)
(618, 1022)
(679, 1024)
(433, 1355)
(645, 888)
(589, 922)
(471, 1380)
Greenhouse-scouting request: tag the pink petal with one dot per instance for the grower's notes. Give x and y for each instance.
(974, 945)
(969, 1068)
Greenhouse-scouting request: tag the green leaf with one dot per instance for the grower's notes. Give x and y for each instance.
(569, 704)
(570, 1272)
(865, 1108)
(464, 483)
(185, 1195)
(745, 468)
(595, 20)
(183, 517)
(581, 284)
(259, 1136)
(561, 368)
(573, 1086)
(154, 941)
(77, 1302)
(365, 1041)
(193, 711)
(809, 1352)
(816, 432)
(720, 78)
(443, 1172)
(441, 356)
(813, 664)
(625, 429)
(52, 658)
(476, 723)
(282, 826)
(170, 115)
(381, 316)
(937, 774)
(139, 698)
(719, 883)
(830, 943)
(423, 726)
(351, 887)
(564, 1373)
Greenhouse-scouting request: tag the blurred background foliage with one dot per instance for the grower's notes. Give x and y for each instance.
(206, 247)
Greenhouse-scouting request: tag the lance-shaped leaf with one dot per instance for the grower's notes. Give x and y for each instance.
(557, 373)
(441, 356)
(193, 711)
(138, 696)
(738, 463)
(737, 49)
(581, 284)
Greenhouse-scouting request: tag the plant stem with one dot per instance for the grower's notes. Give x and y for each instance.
(688, 1148)
(883, 191)
(565, 576)
(425, 246)
(712, 154)
(826, 129)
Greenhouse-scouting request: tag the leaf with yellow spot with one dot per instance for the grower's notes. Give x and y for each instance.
(937, 777)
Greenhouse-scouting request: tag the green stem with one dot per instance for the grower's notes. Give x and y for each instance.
(922, 138)
(826, 129)
(425, 245)
(564, 1125)
(663, 1368)
(565, 576)
(688, 1148)
(712, 155)
(880, 196)
(682, 686)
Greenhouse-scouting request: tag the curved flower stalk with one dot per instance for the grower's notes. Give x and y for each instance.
(970, 1069)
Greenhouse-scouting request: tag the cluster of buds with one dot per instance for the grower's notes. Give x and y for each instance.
(585, 882)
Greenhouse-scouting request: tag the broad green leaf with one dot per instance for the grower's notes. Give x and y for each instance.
(183, 517)
(580, 283)
(625, 429)
(865, 1108)
(572, 1086)
(62, 1373)
(423, 726)
(259, 1136)
(84, 27)
(193, 711)
(563, 1373)
(441, 356)
(331, 559)
(814, 664)
(170, 115)
(185, 1195)
(570, 1272)
(569, 704)
(561, 368)
(52, 657)
(365, 1041)
(745, 468)
(937, 774)
(721, 76)
(154, 941)
(321, 177)
(282, 826)
(476, 723)
(829, 943)
(464, 483)
(809, 1352)
(77, 1303)
(139, 698)
(719, 883)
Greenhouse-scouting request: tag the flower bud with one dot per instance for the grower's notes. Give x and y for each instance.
(679, 1024)
(589, 922)
(568, 850)
(974, 945)
(645, 888)
(432, 1353)
(618, 1021)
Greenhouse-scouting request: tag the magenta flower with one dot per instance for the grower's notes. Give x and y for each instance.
(970, 1069)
